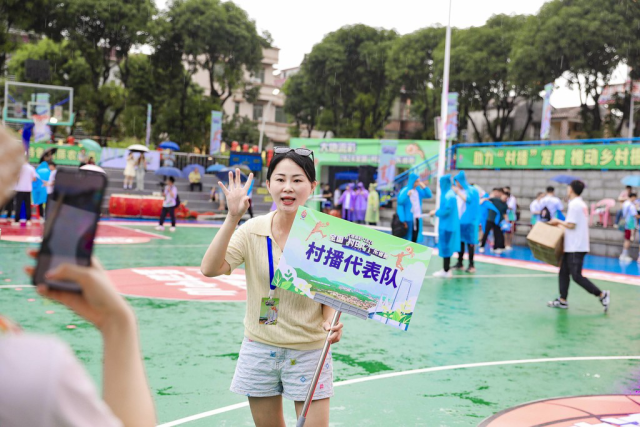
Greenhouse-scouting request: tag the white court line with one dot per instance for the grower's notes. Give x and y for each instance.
(159, 236)
(16, 286)
(410, 372)
(488, 276)
(153, 224)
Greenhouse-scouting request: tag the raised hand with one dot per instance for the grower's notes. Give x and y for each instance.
(236, 194)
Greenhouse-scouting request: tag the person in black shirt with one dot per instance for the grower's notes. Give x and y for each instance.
(499, 200)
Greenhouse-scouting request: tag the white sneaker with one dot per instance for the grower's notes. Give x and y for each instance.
(160, 227)
(508, 248)
(172, 229)
(498, 251)
(481, 250)
(625, 258)
(28, 223)
(443, 274)
(15, 224)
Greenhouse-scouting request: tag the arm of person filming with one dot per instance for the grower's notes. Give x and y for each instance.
(214, 263)
(125, 387)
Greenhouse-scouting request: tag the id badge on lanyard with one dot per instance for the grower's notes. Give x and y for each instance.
(269, 306)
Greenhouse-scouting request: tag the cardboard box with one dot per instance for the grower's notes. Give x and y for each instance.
(547, 243)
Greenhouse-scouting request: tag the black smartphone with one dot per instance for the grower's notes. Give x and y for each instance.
(71, 223)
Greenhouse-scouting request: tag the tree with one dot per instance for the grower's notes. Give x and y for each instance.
(303, 102)
(412, 71)
(348, 68)
(103, 33)
(581, 40)
(480, 72)
(18, 15)
(241, 129)
(219, 38)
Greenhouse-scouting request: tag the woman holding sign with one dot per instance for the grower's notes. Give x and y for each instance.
(284, 332)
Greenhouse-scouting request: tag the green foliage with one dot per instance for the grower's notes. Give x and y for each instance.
(242, 129)
(219, 38)
(412, 72)
(345, 74)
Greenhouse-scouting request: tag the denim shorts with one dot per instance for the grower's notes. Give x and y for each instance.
(264, 371)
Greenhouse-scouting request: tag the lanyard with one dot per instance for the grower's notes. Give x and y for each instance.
(271, 285)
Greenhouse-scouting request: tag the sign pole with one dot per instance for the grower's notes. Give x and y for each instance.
(316, 375)
(444, 105)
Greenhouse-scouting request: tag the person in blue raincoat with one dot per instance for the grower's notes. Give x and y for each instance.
(469, 212)
(409, 208)
(448, 226)
(39, 193)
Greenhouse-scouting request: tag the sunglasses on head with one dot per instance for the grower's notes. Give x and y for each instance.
(301, 151)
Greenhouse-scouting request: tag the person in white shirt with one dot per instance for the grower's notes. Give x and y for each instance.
(169, 205)
(576, 246)
(549, 205)
(630, 215)
(512, 208)
(534, 208)
(23, 191)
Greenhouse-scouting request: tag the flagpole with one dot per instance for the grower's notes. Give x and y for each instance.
(443, 113)
(631, 106)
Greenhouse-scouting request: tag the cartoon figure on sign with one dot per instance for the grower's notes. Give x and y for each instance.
(303, 215)
(317, 229)
(401, 255)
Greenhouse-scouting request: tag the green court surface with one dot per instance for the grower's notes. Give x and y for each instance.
(499, 315)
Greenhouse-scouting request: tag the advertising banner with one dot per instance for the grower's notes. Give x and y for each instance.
(352, 268)
(216, 132)
(588, 156)
(387, 166)
(66, 155)
(545, 125)
(452, 116)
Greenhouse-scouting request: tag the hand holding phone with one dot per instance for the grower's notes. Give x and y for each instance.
(71, 225)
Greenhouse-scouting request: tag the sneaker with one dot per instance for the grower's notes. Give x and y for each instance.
(443, 274)
(556, 303)
(605, 300)
(160, 227)
(481, 250)
(15, 224)
(28, 223)
(172, 229)
(458, 266)
(498, 251)
(508, 248)
(471, 269)
(625, 258)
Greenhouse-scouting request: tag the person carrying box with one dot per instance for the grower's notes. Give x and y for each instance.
(576, 247)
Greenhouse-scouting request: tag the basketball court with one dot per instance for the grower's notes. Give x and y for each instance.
(478, 344)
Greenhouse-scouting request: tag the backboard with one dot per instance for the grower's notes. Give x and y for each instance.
(29, 103)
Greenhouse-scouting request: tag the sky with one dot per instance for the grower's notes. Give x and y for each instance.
(296, 25)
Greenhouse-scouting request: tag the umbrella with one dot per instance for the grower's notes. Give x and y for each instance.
(215, 168)
(90, 144)
(93, 168)
(565, 179)
(52, 150)
(169, 171)
(632, 180)
(188, 169)
(138, 147)
(224, 173)
(170, 145)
